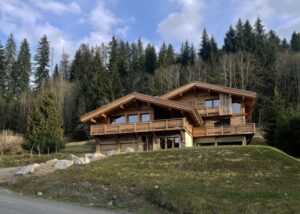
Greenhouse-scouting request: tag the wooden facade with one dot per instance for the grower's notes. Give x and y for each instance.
(193, 115)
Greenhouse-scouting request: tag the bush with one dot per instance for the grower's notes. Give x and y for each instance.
(287, 135)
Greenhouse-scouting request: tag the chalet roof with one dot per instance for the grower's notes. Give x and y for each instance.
(248, 95)
(144, 98)
(208, 86)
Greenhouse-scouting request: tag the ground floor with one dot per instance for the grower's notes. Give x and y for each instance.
(160, 141)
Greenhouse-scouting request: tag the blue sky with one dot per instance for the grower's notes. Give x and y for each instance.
(68, 23)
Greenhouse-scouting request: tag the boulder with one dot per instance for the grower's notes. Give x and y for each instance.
(27, 169)
(129, 150)
(80, 161)
(94, 156)
(63, 164)
(111, 152)
(52, 161)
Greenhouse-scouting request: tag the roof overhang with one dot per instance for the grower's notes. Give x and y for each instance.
(157, 101)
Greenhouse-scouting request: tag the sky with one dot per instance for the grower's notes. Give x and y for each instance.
(68, 23)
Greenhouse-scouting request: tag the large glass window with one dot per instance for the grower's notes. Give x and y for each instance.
(145, 117)
(212, 103)
(176, 142)
(133, 118)
(236, 107)
(118, 120)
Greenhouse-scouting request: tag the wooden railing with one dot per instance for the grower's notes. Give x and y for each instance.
(203, 131)
(156, 125)
(208, 111)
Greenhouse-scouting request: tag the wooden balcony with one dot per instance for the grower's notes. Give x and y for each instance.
(156, 125)
(203, 111)
(207, 131)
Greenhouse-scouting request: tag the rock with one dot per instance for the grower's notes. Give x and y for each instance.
(110, 203)
(39, 194)
(95, 156)
(156, 187)
(63, 164)
(111, 152)
(52, 161)
(72, 157)
(80, 161)
(27, 169)
(129, 150)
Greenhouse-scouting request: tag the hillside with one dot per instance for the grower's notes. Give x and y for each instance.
(252, 179)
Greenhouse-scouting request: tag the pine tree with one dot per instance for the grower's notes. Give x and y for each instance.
(44, 124)
(75, 66)
(259, 37)
(170, 55)
(113, 54)
(275, 112)
(213, 56)
(56, 74)
(295, 41)
(24, 68)
(248, 37)
(184, 56)
(150, 59)
(161, 61)
(10, 66)
(205, 49)
(2, 71)
(240, 40)
(192, 55)
(141, 56)
(42, 59)
(230, 41)
(64, 66)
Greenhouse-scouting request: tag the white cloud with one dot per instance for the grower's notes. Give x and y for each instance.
(185, 24)
(283, 17)
(58, 7)
(122, 31)
(102, 20)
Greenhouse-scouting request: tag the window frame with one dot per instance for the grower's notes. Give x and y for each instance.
(212, 103)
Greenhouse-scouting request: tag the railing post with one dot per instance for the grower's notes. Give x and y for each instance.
(205, 130)
(150, 125)
(135, 127)
(222, 130)
(119, 128)
(104, 128)
(167, 124)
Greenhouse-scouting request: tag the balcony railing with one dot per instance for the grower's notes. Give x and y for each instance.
(156, 125)
(204, 131)
(208, 111)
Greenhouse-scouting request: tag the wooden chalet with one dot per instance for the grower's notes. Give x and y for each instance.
(195, 114)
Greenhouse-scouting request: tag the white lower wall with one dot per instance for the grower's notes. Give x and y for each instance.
(188, 140)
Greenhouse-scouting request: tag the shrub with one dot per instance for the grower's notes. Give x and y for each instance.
(10, 143)
(287, 135)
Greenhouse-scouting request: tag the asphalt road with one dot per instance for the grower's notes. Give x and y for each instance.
(11, 203)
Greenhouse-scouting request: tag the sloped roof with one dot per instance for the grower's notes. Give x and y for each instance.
(208, 86)
(144, 98)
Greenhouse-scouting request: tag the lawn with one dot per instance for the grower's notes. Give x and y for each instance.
(228, 179)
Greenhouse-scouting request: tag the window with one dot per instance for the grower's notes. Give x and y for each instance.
(133, 118)
(212, 103)
(118, 120)
(176, 142)
(236, 107)
(222, 122)
(145, 117)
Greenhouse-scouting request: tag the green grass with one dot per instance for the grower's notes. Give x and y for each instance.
(22, 160)
(236, 179)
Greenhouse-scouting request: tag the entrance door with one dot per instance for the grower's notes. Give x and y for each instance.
(169, 142)
(147, 142)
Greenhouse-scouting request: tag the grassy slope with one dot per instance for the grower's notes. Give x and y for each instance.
(252, 179)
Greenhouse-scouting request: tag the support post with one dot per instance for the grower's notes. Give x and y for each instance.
(97, 141)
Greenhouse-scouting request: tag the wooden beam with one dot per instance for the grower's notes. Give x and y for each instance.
(122, 106)
(93, 120)
(104, 115)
